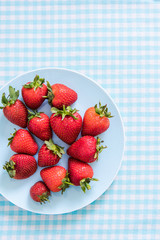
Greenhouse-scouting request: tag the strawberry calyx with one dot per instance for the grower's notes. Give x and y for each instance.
(11, 99)
(84, 183)
(99, 148)
(12, 136)
(50, 94)
(10, 168)
(102, 111)
(44, 197)
(56, 149)
(37, 82)
(68, 111)
(65, 183)
(33, 114)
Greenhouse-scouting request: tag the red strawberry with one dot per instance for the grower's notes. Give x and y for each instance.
(21, 166)
(14, 110)
(33, 92)
(59, 95)
(39, 125)
(96, 120)
(49, 154)
(86, 149)
(56, 178)
(80, 173)
(66, 123)
(23, 142)
(39, 192)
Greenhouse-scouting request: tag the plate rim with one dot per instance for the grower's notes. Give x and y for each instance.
(122, 124)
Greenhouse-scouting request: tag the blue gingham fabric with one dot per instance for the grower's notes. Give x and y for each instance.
(118, 45)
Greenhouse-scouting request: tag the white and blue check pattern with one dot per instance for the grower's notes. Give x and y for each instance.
(118, 45)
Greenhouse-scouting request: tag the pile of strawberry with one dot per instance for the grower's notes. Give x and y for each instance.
(66, 123)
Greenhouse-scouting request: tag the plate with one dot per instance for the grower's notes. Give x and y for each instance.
(105, 169)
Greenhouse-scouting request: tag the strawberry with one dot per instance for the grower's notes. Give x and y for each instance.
(49, 154)
(86, 149)
(39, 125)
(14, 109)
(39, 192)
(23, 142)
(21, 166)
(96, 120)
(66, 123)
(33, 92)
(80, 173)
(60, 94)
(56, 178)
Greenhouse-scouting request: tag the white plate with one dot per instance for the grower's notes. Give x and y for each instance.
(89, 93)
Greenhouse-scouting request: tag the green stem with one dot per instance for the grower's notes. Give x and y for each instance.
(102, 111)
(84, 183)
(99, 148)
(68, 111)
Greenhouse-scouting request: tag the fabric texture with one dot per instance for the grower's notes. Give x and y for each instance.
(116, 44)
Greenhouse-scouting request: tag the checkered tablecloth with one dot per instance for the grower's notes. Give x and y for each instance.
(118, 45)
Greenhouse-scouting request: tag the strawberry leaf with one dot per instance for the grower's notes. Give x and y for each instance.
(65, 183)
(28, 85)
(84, 183)
(11, 99)
(68, 111)
(49, 87)
(13, 94)
(56, 149)
(102, 111)
(50, 94)
(33, 114)
(10, 168)
(99, 148)
(37, 82)
(4, 101)
(44, 197)
(11, 138)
